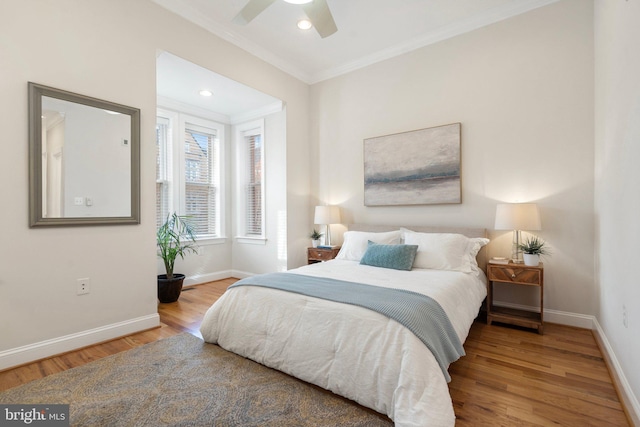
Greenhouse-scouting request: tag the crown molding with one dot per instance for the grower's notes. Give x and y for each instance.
(203, 113)
(173, 105)
(259, 113)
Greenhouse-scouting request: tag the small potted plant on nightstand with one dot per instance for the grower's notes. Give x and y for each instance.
(532, 248)
(174, 237)
(315, 238)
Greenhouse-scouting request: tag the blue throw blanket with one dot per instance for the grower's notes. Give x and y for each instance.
(419, 313)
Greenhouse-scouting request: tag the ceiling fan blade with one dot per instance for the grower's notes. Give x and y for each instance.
(251, 10)
(321, 18)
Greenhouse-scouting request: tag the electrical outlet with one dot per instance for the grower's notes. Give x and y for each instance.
(625, 317)
(83, 286)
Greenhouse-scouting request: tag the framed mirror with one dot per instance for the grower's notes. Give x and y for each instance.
(84, 160)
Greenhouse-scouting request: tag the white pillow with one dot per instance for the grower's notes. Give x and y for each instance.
(474, 246)
(445, 251)
(355, 243)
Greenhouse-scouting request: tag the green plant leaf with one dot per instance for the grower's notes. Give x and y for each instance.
(176, 237)
(315, 235)
(535, 246)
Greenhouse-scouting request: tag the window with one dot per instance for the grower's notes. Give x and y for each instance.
(253, 223)
(189, 171)
(250, 149)
(201, 178)
(163, 132)
(192, 169)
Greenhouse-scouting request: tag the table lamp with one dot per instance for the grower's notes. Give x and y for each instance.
(517, 217)
(327, 215)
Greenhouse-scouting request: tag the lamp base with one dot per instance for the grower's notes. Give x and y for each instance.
(327, 240)
(516, 253)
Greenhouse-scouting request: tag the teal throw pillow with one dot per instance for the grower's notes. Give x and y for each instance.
(398, 257)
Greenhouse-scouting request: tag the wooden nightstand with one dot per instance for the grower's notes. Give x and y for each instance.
(516, 274)
(321, 254)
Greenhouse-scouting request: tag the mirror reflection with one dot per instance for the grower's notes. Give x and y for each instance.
(84, 160)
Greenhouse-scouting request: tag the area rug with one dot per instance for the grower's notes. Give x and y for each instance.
(182, 381)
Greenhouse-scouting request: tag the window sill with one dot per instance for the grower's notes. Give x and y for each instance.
(206, 241)
(251, 240)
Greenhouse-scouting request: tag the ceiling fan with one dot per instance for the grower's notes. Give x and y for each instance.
(317, 11)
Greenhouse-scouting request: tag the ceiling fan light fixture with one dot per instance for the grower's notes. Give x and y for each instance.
(304, 24)
(316, 10)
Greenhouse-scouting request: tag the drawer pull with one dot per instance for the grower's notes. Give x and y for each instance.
(513, 275)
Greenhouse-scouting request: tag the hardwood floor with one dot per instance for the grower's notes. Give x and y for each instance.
(509, 377)
(515, 377)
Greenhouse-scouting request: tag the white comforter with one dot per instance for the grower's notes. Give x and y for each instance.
(352, 351)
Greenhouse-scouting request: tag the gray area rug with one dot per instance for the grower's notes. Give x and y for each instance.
(182, 381)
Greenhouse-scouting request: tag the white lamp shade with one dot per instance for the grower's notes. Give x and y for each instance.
(327, 215)
(517, 216)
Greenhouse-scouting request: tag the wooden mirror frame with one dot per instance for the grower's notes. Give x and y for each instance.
(36, 219)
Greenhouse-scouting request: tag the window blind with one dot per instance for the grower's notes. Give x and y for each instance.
(162, 182)
(253, 218)
(200, 172)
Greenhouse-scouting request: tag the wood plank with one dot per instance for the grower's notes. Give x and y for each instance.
(559, 378)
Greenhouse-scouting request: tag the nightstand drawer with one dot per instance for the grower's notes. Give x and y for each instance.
(319, 254)
(521, 275)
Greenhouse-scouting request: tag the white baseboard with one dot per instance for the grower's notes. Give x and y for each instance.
(40, 350)
(625, 392)
(242, 274)
(555, 316)
(198, 279)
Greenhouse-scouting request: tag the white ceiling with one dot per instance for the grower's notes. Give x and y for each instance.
(368, 30)
(178, 83)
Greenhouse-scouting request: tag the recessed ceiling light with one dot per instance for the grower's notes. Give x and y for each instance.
(298, 1)
(205, 92)
(304, 24)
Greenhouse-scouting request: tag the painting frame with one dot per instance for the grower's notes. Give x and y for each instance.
(419, 167)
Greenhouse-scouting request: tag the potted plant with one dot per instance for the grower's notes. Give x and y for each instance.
(174, 237)
(533, 247)
(315, 238)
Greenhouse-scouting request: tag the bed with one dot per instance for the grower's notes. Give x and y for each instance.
(358, 353)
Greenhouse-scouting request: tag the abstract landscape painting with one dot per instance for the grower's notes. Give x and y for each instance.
(420, 167)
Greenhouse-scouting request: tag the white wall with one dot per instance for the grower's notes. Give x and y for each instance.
(617, 204)
(523, 91)
(105, 49)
